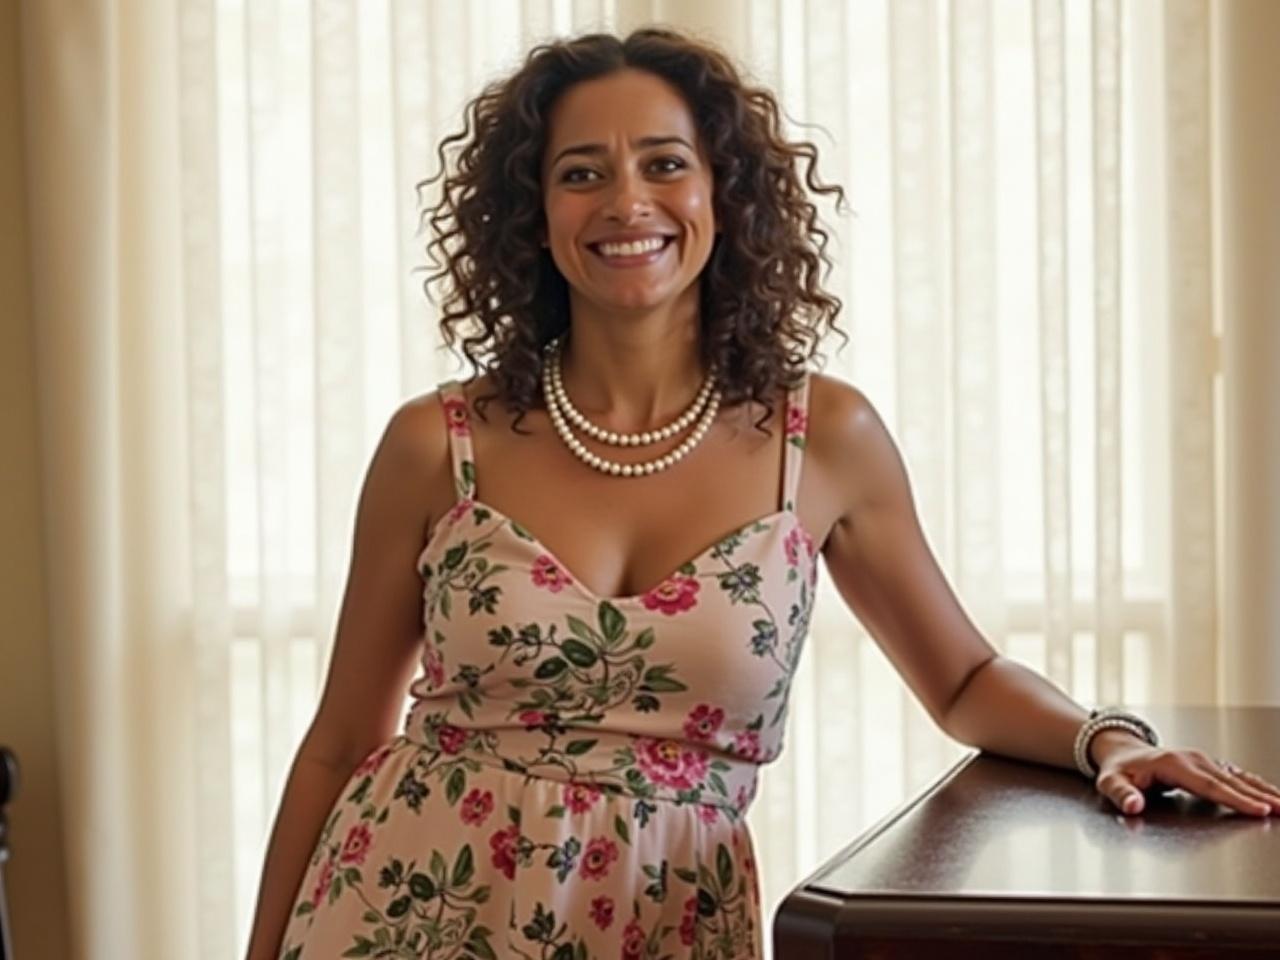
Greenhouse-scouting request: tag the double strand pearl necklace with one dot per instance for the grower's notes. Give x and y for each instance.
(574, 416)
(559, 408)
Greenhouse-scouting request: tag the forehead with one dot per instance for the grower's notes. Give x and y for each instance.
(626, 105)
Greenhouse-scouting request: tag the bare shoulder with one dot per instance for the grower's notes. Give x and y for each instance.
(844, 425)
(417, 438)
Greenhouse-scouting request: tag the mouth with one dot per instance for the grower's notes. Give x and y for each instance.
(644, 258)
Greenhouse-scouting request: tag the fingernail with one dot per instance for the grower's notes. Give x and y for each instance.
(1132, 804)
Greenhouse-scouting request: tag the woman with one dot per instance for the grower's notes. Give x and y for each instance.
(615, 574)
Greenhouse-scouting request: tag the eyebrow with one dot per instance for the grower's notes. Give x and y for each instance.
(597, 148)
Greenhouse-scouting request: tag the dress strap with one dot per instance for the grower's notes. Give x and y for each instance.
(796, 424)
(458, 421)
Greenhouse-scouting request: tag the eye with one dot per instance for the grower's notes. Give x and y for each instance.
(569, 175)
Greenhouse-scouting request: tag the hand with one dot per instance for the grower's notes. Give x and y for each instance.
(1127, 766)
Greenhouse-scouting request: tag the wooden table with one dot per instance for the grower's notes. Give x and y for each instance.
(1000, 859)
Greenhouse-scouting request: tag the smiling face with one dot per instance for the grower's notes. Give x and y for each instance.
(623, 162)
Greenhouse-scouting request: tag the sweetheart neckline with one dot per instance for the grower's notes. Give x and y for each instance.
(535, 542)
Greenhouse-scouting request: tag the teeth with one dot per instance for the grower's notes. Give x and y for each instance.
(631, 249)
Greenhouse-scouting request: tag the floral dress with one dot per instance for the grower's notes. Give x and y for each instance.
(572, 776)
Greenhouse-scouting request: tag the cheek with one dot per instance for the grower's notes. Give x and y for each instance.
(695, 206)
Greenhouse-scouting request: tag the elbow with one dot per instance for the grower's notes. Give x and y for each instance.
(954, 713)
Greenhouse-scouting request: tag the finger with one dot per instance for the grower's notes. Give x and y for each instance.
(1121, 792)
(1243, 780)
(1267, 787)
(1258, 788)
(1212, 783)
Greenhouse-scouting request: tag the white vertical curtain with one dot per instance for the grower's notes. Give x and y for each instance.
(228, 292)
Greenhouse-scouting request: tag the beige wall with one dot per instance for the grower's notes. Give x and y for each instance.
(34, 877)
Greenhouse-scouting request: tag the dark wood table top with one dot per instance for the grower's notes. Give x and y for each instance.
(999, 848)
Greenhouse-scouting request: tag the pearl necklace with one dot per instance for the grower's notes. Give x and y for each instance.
(574, 416)
(556, 399)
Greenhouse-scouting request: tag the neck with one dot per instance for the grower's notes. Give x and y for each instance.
(634, 382)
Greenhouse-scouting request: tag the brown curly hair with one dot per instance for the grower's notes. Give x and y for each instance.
(761, 306)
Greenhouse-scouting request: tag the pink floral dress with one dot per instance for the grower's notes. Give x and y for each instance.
(573, 774)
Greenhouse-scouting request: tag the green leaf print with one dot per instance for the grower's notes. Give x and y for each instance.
(656, 680)
(549, 669)
(457, 784)
(438, 867)
(706, 903)
(454, 556)
(621, 826)
(563, 952)
(399, 907)
(420, 886)
(724, 867)
(580, 629)
(468, 478)
(463, 867)
(612, 623)
(363, 948)
(293, 954)
(644, 639)
(478, 944)
(576, 748)
(578, 653)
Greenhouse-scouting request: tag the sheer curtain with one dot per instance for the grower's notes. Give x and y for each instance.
(225, 242)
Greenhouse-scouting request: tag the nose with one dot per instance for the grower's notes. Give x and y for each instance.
(628, 200)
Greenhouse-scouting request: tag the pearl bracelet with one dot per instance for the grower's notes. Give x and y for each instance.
(1111, 718)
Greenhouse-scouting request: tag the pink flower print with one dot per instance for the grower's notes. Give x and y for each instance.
(547, 573)
(373, 763)
(673, 595)
(476, 806)
(455, 414)
(532, 719)
(359, 840)
(633, 941)
(703, 722)
(459, 509)
(504, 844)
(598, 857)
(322, 884)
(689, 923)
(452, 739)
(797, 421)
(601, 911)
(797, 538)
(746, 744)
(742, 800)
(580, 797)
(708, 813)
(669, 763)
(434, 667)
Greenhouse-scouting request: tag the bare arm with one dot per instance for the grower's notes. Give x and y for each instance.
(881, 564)
(883, 567)
(374, 654)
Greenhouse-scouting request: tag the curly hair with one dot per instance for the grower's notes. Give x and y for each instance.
(761, 306)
